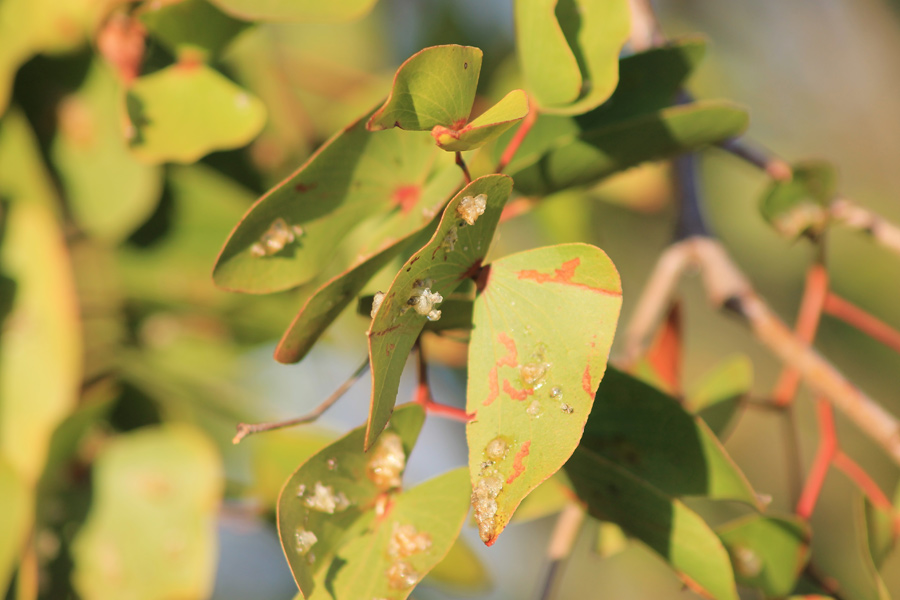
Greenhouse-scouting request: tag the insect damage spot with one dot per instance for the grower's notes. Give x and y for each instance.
(514, 393)
(586, 384)
(564, 276)
(518, 461)
(406, 197)
(511, 359)
(302, 188)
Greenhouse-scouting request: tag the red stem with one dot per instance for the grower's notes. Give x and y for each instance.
(826, 452)
(862, 479)
(814, 296)
(872, 326)
(423, 394)
(462, 165)
(510, 151)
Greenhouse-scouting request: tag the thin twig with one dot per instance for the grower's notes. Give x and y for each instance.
(870, 325)
(761, 158)
(462, 165)
(423, 393)
(854, 216)
(562, 540)
(510, 151)
(863, 481)
(245, 429)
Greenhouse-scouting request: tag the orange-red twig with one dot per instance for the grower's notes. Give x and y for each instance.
(870, 325)
(462, 165)
(423, 395)
(862, 480)
(814, 296)
(510, 151)
(826, 452)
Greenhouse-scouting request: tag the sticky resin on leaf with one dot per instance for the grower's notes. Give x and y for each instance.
(401, 575)
(305, 540)
(387, 462)
(469, 208)
(746, 562)
(323, 499)
(534, 409)
(277, 236)
(496, 449)
(566, 408)
(406, 541)
(449, 242)
(484, 504)
(423, 299)
(376, 303)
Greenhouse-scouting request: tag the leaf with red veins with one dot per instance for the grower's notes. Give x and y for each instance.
(543, 323)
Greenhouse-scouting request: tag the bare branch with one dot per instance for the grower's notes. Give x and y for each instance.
(854, 216)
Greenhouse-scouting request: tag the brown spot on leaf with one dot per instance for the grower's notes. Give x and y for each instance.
(514, 393)
(586, 384)
(305, 187)
(510, 360)
(406, 197)
(518, 464)
(562, 275)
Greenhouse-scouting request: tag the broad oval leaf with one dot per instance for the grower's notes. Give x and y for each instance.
(435, 86)
(175, 25)
(299, 11)
(397, 176)
(109, 191)
(718, 396)
(187, 110)
(151, 529)
(511, 109)
(800, 205)
(665, 524)
(569, 50)
(543, 326)
(453, 254)
(596, 153)
(320, 503)
(768, 553)
(649, 434)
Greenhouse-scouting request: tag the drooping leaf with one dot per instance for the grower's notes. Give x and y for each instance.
(109, 191)
(40, 348)
(301, 11)
(187, 110)
(394, 176)
(767, 552)
(718, 396)
(335, 295)
(456, 313)
(511, 109)
(569, 50)
(454, 253)
(151, 529)
(665, 524)
(543, 326)
(328, 494)
(649, 434)
(435, 86)
(799, 206)
(461, 569)
(17, 508)
(595, 153)
(881, 531)
(860, 573)
(190, 24)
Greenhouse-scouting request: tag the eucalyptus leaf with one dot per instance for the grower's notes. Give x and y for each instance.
(187, 110)
(716, 399)
(299, 11)
(511, 109)
(151, 529)
(191, 25)
(799, 206)
(453, 254)
(543, 326)
(17, 508)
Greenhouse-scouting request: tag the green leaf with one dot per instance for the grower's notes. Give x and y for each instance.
(301, 11)
(336, 294)
(435, 86)
(546, 499)
(151, 529)
(190, 24)
(275, 456)
(17, 508)
(346, 481)
(109, 191)
(511, 109)
(543, 326)
(595, 153)
(569, 51)
(799, 206)
(40, 349)
(666, 525)
(767, 552)
(187, 110)
(649, 434)
(881, 532)
(456, 313)
(461, 569)
(399, 180)
(454, 253)
(718, 396)
(610, 539)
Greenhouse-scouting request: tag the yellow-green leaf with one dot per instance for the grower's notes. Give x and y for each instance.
(151, 530)
(187, 110)
(301, 11)
(511, 109)
(17, 510)
(543, 326)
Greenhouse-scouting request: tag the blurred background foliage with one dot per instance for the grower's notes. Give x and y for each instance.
(134, 136)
